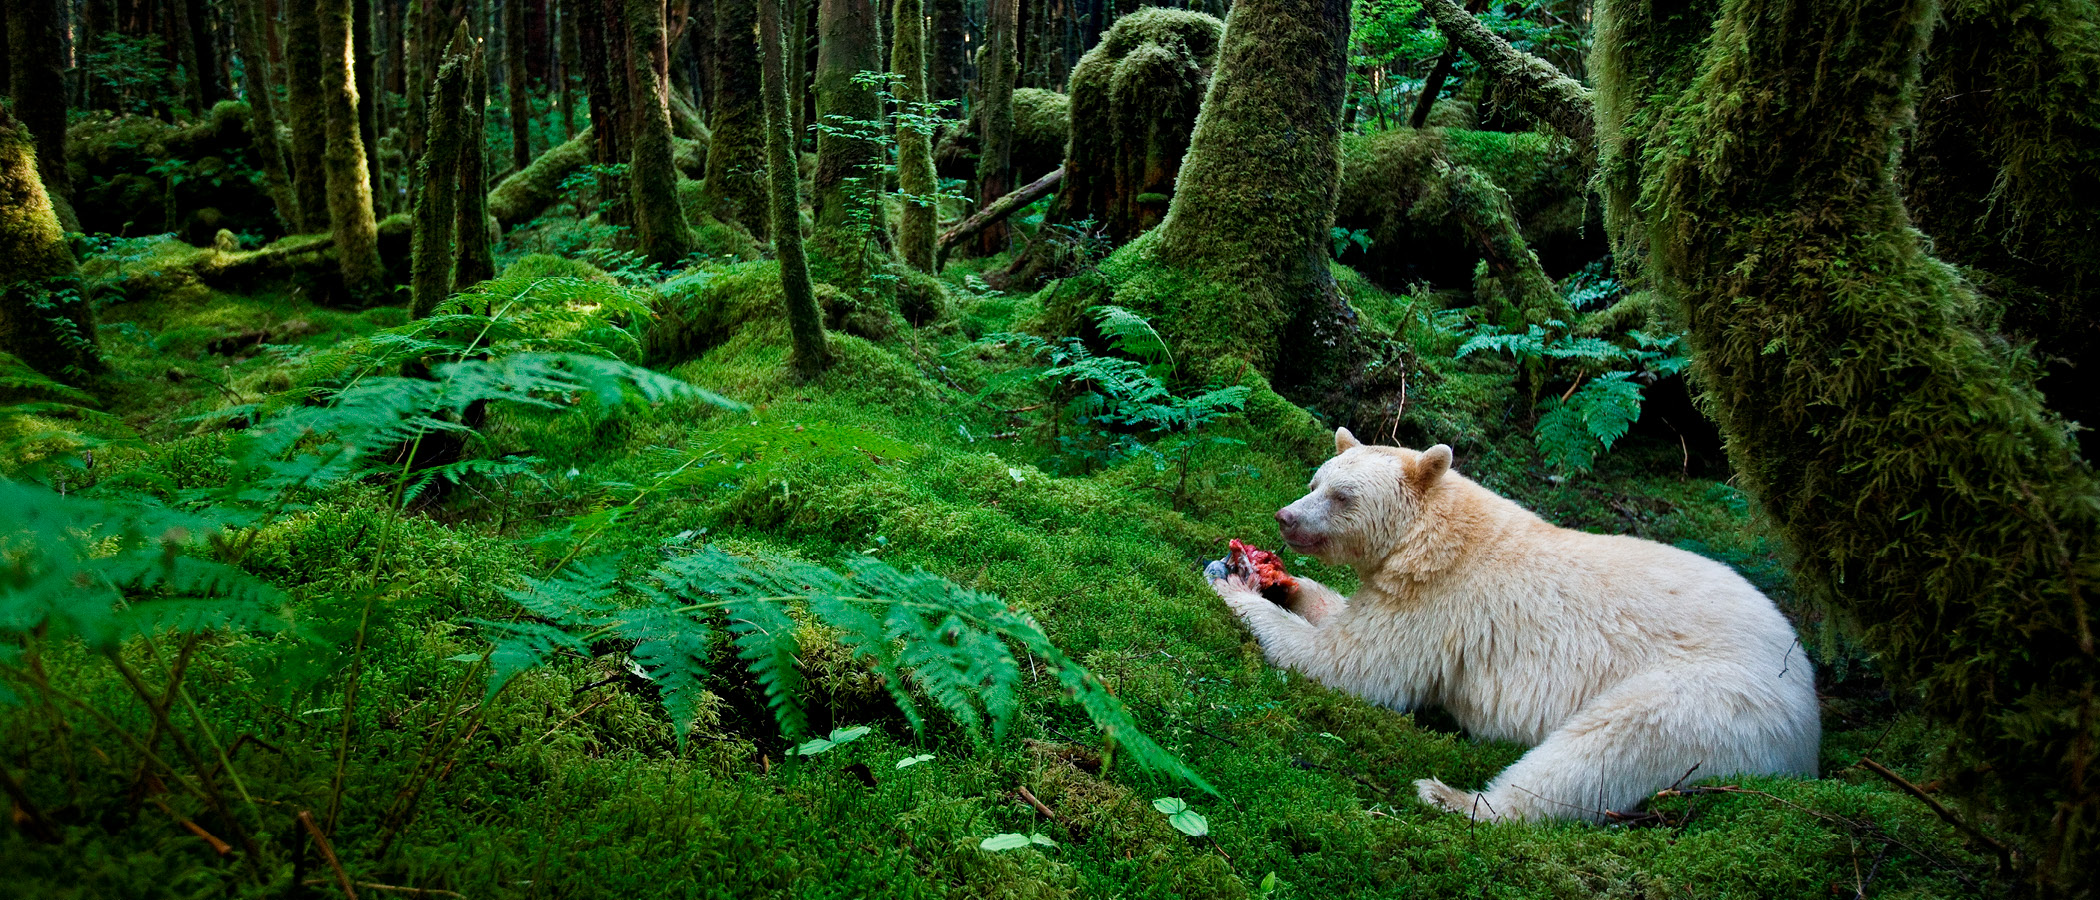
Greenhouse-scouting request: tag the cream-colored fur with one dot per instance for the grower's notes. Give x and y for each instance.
(1623, 662)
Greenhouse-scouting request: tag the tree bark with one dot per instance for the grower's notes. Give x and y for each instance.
(1907, 462)
(44, 319)
(995, 118)
(915, 177)
(945, 55)
(309, 118)
(436, 204)
(659, 218)
(37, 85)
(849, 163)
(349, 181)
(515, 87)
(368, 97)
(805, 320)
(473, 261)
(736, 187)
(259, 85)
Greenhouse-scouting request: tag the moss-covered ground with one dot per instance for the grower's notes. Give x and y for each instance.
(573, 785)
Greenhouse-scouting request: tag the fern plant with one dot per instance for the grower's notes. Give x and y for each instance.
(48, 428)
(914, 629)
(1603, 400)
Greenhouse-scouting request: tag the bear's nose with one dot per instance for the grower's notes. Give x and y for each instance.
(1286, 518)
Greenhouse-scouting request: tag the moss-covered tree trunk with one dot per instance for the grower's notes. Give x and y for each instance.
(946, 54)
(659, 219)
(44, 320)
(473, 260)
(602, 28)
(847, 186)
(915, 177)
(516, 91)
(996, 70)
(37, 85)
(364, 59)
(783, 179)
(2004, 172)
(1256, 195)
(437, 198)
(1134, 101)
(736, 187)
(1904, 457)
(349, 181)
(259, 82)
(309, 115)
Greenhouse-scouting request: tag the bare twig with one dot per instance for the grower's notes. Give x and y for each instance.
(327, 853)
(999, 209)
(2004, 853)
(217, 846)
(1038, 804)
(368, 885)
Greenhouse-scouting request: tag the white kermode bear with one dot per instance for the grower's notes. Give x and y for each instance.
(1622, 662)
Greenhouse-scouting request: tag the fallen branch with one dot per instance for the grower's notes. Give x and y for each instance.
(218, 846)
(2004, 853)
(328, 853)
(1038, 804)
(1537, 87)
(997, 211)
(369, 885)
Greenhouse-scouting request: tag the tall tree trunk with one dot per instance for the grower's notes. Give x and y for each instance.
(1908, 464)
(367, 99)
(259, 83)
(44, 320)
(37, 85)
(945, 54)
(604, 34)
(436, 221)
(570, 67)
(1256, 191)
(802, 64)
(849, 166)
(309, 118)
(915, 176)
(659, 219)
(995, 118)
(473, 260)
(349, 181)
(515, 89)
(736, 188)
(210, 90)
(805, 320)
(182, 44)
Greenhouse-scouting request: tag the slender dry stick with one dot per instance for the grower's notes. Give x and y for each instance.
(306, 818)
(212, 795)
(2004, 853)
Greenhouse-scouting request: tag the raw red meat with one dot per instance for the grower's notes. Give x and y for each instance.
(1267, 570)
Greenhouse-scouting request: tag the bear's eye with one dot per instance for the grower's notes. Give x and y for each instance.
(1340, 499)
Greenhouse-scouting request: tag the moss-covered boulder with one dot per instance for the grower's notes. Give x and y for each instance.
(1039, 138)
(1393, 189)
(136, 175)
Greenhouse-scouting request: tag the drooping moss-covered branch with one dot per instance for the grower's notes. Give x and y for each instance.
(1905, 458)
(805, 320)
(1511, 286)
(1533, 83)
(517, 199)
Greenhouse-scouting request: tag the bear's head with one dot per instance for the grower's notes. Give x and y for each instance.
(1362, 503)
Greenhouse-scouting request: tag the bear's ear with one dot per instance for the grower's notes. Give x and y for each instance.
(1429, 466)
(1344, 441)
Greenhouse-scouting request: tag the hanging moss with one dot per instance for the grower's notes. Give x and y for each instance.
(915, 177)
(659, 219)
(44, 319)
(736, 183)
(2003, 171)
(1905, 457)
(1134, 102)
(527, 192)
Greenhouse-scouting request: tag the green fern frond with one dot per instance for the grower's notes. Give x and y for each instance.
(1571, 432)
(1131, 335)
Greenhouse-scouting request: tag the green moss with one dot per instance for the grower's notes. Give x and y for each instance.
(736, 178)
(518, 198)
(1041, 122)
(547, 265)
(916, 182)
(45, 319)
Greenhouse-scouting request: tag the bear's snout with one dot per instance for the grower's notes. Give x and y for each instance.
(1285, 519)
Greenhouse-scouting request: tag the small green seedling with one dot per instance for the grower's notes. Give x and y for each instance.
(910, 761)
(1185, 820)
(1011, 841)
(839, 736)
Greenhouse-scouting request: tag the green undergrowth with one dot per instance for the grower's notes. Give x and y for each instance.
(572, 781)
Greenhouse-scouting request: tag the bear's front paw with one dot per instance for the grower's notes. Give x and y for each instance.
(1238, 594)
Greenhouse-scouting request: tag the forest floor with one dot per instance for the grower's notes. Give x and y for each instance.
(571, 782)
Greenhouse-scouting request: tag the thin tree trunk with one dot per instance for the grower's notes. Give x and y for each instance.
(995, 118)
(262, 104)
(473, 261)
(945, 54)
(349, 181)
(569, 68)
(309, 120)
(206, 51)
(736, 188)
(915, 176)
(367, 100)
(659, 218)
(805, 320)
(436, 221)
(515, 88)
(182, 43)
(37, 85)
